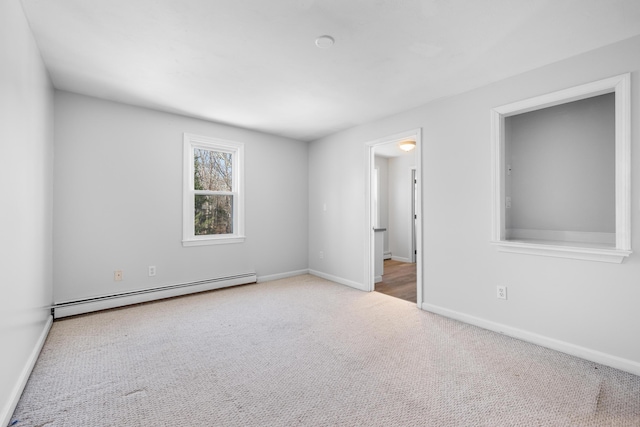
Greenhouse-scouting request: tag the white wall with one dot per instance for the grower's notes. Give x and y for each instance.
(118, 201)
(336, 181)
(588, 306)
(26, 162)
(563, 167)
(400, 206)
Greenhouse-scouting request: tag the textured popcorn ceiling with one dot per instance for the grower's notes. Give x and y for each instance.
(254, 64)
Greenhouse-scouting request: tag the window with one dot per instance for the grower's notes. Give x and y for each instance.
(213, 191)
(561, 173)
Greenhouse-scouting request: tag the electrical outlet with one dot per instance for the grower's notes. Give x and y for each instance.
(507, 202)
(321, 255)
(502, 292)
(117, 276)
(152, 270)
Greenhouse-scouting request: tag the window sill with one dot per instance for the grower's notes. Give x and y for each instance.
(572, 250)
(213, 241)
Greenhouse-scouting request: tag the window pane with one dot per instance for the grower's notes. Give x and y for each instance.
(213, 170)
(213, 215)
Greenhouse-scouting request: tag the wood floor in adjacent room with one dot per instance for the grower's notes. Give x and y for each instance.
(398, 280)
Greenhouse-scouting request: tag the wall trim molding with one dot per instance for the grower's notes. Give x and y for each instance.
(278, 276)
(543, 248)
(339, 280)
(18, 388)
(401, 259)
(544, 341)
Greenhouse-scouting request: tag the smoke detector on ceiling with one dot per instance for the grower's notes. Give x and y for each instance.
(325, 42)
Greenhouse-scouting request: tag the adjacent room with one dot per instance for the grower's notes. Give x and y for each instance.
(319, 212)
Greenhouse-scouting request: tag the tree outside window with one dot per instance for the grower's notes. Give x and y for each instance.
(213, 171)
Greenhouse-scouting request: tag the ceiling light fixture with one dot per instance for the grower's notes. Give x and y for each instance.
(325, 42)
(407, 145)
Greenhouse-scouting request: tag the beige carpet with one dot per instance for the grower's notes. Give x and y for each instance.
(304, 351)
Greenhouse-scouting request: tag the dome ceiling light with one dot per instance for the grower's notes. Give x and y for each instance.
(407, 145)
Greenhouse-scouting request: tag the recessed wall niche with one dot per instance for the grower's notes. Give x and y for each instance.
(561, 173)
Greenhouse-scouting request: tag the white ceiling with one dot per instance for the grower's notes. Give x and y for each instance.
(254, 64)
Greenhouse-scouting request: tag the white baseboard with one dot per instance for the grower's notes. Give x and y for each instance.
(554, 344)
(386, 255)
(18, 388)
(71, 308)
(270, 277)
(340, 280)
(377, 279)
(401, 259)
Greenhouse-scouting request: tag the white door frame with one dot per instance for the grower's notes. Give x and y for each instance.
(369, 233)
(414, 213)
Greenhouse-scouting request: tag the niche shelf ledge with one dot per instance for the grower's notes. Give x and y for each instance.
(563, 250)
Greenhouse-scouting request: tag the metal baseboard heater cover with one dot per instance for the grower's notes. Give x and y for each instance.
(87, 305)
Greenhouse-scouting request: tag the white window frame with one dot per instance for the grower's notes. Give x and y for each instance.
(236, 149)
(620, 86)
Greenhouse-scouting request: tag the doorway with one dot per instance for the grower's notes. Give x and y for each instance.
(394, 210)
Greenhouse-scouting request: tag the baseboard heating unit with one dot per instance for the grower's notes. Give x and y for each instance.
(87, 305)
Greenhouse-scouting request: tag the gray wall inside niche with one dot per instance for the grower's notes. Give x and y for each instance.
(563, 167)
